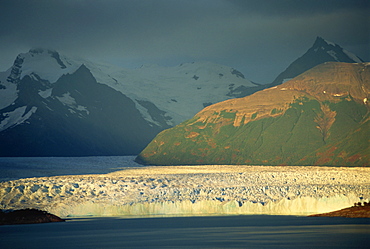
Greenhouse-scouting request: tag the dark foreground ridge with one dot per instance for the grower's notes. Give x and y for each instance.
(356, 211)
(27, 216)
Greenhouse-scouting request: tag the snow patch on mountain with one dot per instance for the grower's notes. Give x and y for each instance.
(46, 94)
(352, 56)
(69, 101)
(333, 54)
(330, 43)
(16, 117)
(8, 91)
(47, 64)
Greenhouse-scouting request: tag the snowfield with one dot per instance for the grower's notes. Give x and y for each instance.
(192, 190)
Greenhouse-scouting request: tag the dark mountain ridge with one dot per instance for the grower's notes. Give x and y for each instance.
(80, 118)
(320, 52)
(51, 105)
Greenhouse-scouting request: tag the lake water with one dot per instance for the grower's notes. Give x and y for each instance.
(23, 167)
(253, 231)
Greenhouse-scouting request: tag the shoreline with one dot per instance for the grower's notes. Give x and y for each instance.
(211, 169)
(349, 212)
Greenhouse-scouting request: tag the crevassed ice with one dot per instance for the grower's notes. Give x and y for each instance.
(283, 193)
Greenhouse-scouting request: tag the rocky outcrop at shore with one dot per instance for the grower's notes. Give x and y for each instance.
(192, 190)
(27, 216)
(356, 211)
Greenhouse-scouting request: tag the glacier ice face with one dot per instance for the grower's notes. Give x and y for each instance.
(253, 190)
(299, 206)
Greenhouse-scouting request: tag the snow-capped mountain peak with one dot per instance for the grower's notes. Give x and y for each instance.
(321, 51)
(47, 64)
(95, 103)
(335, 51)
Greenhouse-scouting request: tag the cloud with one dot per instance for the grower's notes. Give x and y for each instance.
(293, 8)
(248, 35)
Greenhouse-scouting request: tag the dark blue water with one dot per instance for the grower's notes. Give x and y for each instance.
(23, 167)
(255, 231)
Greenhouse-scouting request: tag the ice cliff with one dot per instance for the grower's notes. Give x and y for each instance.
(242, 190)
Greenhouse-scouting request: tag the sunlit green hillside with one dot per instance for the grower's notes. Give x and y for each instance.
(319, 118)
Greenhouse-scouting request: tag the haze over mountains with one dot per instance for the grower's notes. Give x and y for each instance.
(53, 105)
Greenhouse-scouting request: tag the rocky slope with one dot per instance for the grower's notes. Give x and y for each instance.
(318, 118)
(192, 190)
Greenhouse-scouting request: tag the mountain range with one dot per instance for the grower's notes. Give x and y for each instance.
(320, 117)
(52, 105)
(55, 105)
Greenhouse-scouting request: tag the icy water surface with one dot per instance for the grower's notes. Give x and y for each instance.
(254, 231)
(24, 167)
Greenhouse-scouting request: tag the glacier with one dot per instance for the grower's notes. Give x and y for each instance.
(192, 191)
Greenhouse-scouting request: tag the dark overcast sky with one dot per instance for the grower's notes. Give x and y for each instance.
(259, 38)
